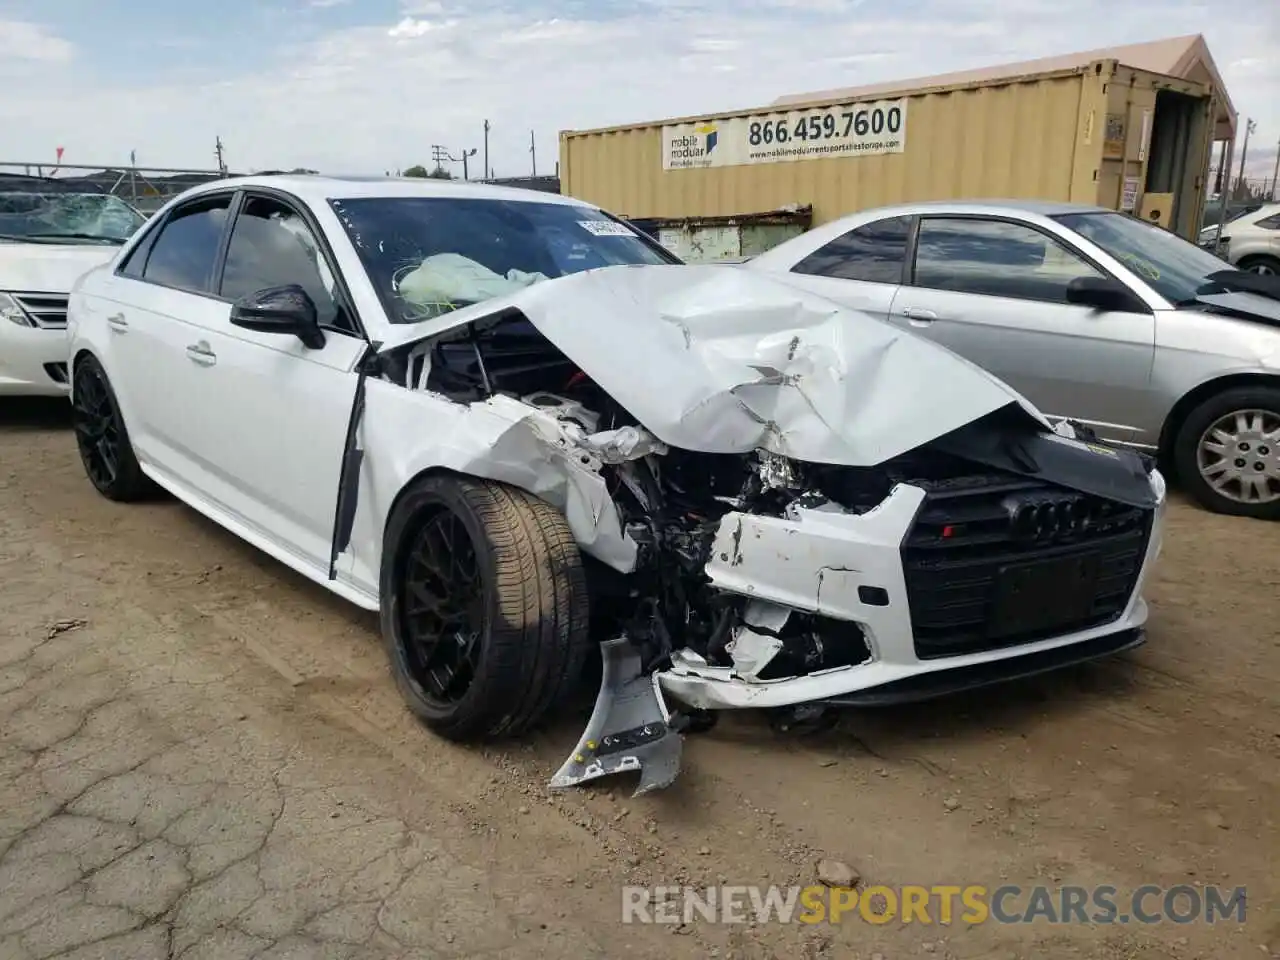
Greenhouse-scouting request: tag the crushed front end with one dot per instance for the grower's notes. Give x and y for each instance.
(959, 576)
(773, 584)
(768, 518)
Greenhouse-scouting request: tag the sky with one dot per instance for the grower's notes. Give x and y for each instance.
(367, 86)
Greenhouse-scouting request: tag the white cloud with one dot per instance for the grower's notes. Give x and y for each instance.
(22, 41)
(377, 97)
(411, 27)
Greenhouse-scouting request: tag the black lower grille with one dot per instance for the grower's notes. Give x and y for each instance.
(995, 561)
(56, 371)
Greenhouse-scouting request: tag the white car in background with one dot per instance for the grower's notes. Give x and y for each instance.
(1251, 241)
(50, 233)
(514, 426)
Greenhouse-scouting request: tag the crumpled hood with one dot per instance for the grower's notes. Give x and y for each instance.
(49, 267)
(1252, 306)
(727, 361)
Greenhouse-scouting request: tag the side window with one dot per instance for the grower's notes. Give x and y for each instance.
(1269, 223)
(184, 253)
(134, 264)
(874, 252)
(995, 258)
(271, 245)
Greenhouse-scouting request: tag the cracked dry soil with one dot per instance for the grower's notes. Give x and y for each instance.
(203, 756)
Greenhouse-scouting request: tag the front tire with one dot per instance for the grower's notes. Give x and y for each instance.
(106, 452)
(1227, 452)
(1262, 263)
(484, 606)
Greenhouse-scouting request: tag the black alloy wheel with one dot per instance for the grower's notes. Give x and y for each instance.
(101, 436)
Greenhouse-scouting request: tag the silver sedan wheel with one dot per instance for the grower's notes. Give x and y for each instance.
(1239, 456)
(1263, 268)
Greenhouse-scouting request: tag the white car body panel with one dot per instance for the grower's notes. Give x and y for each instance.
(707, 358)
(52, 270)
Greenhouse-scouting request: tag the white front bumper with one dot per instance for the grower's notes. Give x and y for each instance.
(23, 353)
(815, 561)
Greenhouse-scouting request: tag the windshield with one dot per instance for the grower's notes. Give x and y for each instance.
(429, 255)
(1176, 269)
(64, 217)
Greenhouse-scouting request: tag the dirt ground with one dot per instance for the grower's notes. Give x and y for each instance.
(203, 755)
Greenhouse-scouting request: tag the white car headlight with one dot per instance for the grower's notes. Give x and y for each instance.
(1159, 487)
(11, 311)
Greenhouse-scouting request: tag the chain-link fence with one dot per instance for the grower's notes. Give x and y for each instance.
(146, 189)
(1245, 189)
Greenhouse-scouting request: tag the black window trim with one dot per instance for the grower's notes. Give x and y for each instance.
(909, 278)
(149, 241)
(908, 250)
(346, 303)
(236, 199)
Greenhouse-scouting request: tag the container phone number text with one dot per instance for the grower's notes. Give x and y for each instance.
(825, 126)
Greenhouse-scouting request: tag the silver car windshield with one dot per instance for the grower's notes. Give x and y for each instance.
(66, 217)
(1176, 269)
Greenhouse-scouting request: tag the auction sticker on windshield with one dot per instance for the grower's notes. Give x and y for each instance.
(606, 228)
(849, 130)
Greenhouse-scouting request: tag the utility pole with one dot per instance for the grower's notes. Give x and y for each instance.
(533, 154)
(217, 152)
(1249, 127)
(440, 155)
(1275, 174)
(466, 153)
(487, 172)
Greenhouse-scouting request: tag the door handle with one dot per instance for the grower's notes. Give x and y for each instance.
(201, 354)
(118, 323)
(919, 316)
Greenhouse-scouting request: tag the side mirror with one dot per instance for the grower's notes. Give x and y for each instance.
(1104, 293)
(288, 310)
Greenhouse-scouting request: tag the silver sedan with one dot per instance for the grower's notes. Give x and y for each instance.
(1093, 315)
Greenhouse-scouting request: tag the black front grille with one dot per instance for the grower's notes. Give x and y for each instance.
(978, 539)
(57, 372)
(47, 310)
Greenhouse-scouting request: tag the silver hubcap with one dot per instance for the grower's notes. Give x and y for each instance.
(1239, 456)
(1262, 268)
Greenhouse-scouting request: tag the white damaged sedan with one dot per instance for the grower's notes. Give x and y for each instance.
(519, 429)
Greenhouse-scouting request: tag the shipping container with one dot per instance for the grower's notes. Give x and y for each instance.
(1098, 132)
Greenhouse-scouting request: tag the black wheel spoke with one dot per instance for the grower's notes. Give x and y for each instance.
(96, 424)
(443, 609)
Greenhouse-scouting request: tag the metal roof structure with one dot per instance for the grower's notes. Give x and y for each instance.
(1186, 58)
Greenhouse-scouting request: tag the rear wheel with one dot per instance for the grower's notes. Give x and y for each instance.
(484, 609)
(1228, 452)
(101, 436)
(1263, 264)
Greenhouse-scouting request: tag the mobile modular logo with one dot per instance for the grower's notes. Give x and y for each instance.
(694, 149)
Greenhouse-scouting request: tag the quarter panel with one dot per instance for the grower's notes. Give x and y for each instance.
(1194, 347)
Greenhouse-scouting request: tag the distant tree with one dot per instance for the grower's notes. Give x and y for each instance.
(440, 173)
(417, 170)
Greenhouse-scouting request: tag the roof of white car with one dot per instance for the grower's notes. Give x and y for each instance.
(319, 189)
(1045, 208)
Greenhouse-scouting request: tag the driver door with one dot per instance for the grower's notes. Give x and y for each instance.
(281, 408)
(995, 292)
